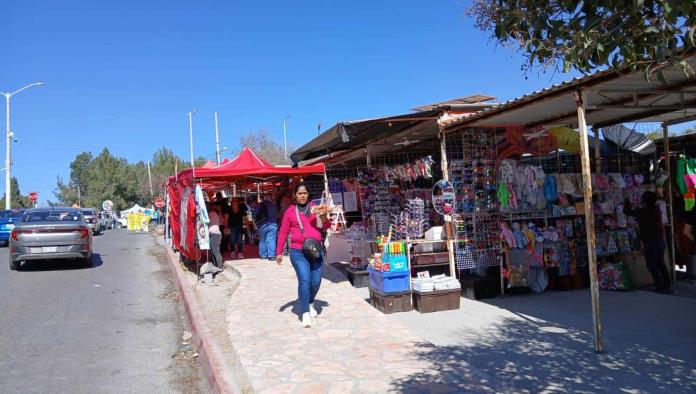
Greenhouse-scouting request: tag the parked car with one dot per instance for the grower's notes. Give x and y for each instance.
(51, 233)
(91, 218)
(8, 220)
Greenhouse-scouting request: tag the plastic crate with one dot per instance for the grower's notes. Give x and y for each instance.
(392, 302)
(435, 301)
(358, 278)
(389, 282)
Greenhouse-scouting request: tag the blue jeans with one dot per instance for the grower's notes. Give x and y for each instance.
(308, 278)
(268, 233)
(236, 244)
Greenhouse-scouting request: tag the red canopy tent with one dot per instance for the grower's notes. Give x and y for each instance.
(245, 169)
(247, 166)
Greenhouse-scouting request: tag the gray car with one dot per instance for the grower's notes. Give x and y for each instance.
(50, 233)
(92, 220)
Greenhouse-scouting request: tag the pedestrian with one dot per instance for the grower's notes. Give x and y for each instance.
(215, 216)
(266, 219)
(301, 221)
(236, 225)
(651, 234)
(225, 244)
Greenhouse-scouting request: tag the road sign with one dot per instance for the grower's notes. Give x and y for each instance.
(107, 205)
(159, 202)
(33, 196)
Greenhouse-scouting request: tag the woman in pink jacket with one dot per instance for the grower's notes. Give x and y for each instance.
(308, 272)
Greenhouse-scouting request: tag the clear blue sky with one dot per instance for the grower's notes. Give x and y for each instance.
(124, 74)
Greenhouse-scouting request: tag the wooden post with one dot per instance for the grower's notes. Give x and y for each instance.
(448, 218)
(589, 221)
(670, 208)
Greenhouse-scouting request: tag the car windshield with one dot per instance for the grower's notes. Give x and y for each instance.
(88, 212)
(52, 216)
(12, 213)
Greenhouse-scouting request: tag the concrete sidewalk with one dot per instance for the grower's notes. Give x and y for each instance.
(352, 348)
(529, 343)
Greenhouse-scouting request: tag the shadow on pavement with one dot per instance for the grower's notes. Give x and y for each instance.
(60, 265)
(524, 356)
(319, 304)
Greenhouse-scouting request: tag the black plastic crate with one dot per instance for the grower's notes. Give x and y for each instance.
(392, 302)
(436, 301)
(358, 278)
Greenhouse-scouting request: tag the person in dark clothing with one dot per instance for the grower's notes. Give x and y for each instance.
(235, 222)
(225, 244)
(651, 234)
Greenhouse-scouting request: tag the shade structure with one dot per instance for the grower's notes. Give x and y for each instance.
(246, 166)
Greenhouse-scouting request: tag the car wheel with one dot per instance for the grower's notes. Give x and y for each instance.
(87, 262)
(14, 265)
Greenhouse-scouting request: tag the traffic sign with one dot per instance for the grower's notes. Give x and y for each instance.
(33, 196)
(107, 205)
(159, 202)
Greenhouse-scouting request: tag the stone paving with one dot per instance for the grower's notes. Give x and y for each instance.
(351, 348)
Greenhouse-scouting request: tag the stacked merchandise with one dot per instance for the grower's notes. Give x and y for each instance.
(436, 283)
(473, 176)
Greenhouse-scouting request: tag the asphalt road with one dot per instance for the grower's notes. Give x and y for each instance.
(113, 328)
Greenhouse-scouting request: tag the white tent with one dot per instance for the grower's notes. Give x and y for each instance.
(137, 209)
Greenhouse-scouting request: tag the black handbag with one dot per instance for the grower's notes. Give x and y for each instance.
(311, 248)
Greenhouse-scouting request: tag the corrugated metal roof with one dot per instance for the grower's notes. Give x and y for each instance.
(555, 105)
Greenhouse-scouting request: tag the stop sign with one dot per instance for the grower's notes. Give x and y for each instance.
(33, 196)
(159, 202)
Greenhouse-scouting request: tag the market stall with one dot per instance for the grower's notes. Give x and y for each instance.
(245, 175)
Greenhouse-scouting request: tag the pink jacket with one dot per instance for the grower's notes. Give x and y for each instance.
(290, 226)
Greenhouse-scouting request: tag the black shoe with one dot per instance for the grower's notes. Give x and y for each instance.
(271, 259)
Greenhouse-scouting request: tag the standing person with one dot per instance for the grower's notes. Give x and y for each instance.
(300, 222)
(651, 234)
(236, 226)
(215, 216)
(225, 245)
(266, 219)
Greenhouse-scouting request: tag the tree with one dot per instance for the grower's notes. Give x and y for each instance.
(586, 35)
(263, 145)
(17, 200)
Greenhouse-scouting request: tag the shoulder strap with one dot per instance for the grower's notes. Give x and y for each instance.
(297, 215)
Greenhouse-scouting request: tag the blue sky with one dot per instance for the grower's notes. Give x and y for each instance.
(124, 74)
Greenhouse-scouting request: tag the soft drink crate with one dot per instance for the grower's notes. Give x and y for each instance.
(389, 282)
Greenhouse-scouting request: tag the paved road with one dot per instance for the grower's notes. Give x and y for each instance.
(112, 328)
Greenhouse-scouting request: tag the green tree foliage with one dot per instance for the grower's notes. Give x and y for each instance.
(586, 35)
(17, 200)
(266, 147)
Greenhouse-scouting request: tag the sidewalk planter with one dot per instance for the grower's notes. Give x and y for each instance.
(358, 278)
(389, 282)
(436, 301)
(392, 302)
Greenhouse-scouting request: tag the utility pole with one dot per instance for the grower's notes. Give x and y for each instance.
(149, 175)
(217, 140)
(8, 137)
(190, 116)
(79, 197)
(285, 137)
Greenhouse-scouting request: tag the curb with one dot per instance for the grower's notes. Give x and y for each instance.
(217, 372)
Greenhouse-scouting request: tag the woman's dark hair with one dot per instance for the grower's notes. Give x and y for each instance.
(299, 185)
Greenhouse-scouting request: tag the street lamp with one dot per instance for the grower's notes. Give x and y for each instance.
(285, 137)
(8, 137)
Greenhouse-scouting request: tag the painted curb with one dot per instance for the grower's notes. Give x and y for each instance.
(217, 372)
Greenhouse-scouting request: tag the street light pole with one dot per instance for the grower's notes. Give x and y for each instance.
(285, 137)
(217, 140)
(190, 116)
(8, 137)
